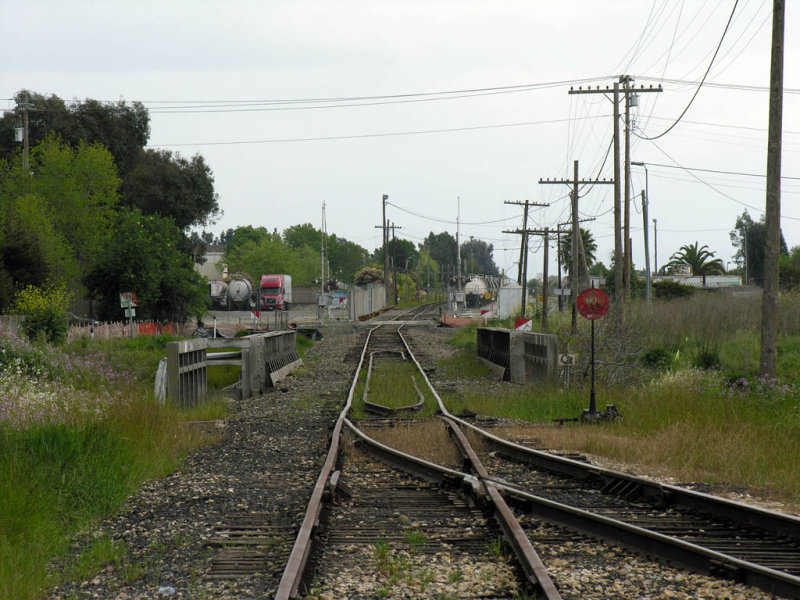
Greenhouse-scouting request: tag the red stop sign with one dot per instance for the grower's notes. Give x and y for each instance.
(593, 304)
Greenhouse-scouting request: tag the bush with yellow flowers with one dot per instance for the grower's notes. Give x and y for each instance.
(44, 311)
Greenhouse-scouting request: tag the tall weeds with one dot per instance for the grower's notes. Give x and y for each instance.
(79, 430)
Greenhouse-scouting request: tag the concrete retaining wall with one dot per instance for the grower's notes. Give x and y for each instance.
(365, 300)
(519, 356)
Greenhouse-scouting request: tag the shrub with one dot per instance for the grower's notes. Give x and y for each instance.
(666, 290)
(706, 356)
(659, 358)
(44, 311)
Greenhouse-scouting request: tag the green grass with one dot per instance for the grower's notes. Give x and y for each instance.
(303, 344)
(683, 374)
(58, 478)
(518, 402)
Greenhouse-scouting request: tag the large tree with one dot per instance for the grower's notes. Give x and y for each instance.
(143, 257)
(442, 247)
(476, 257)
(55, 218)
(748, 238)
(402, 252)
(166, 184)
(157, 182)
(121, 127)
(272, 255)
(699, 258)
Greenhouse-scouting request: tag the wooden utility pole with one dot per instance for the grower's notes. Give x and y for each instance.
(626, 273)
(573, 273)
(385, 249)
(545, 233)
(394, 262)
(772, 241)
(522, 277)
(622, 254)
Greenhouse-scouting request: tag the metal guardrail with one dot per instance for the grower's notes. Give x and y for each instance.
(186, 371)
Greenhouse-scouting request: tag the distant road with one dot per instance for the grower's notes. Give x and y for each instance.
(228, 321)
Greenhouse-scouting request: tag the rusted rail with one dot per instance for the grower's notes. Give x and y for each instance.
(473, 484)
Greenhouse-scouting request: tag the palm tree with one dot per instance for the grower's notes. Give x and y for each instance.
(700, 259)
(565, 249)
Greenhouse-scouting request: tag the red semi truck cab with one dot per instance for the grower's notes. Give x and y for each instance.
(275, 292)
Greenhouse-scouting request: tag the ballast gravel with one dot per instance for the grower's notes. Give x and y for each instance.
(266, 464)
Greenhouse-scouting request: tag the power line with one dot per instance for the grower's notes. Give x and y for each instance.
(718, 171)
(367, 135)
(232, 105)
(438, 220)
(708, 185)
(697, 91)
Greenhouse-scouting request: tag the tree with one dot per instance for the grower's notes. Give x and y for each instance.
(476, 257)
(748, 238)
(346, 258)
(442, 247)
(55, 219)
(790, 270)
(699, 258)
(270, 254)
(144, 257)
(368, 275)
(427, 268)
(164, 183)
(403, 252)
(121, 127)
(306, 234)
(236, 238)
(565, 248)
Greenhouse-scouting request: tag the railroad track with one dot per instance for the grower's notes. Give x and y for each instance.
(384, 511)
(704, 533)
(361, 506)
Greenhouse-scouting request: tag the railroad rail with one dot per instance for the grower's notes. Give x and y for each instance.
(328, 485)
(704, 533)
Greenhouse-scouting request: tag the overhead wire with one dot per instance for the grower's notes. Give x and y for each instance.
(700, 85)
(708, 185)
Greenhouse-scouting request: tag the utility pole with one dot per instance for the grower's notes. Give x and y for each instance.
(645, 205)
(472, 254)
(646, 246)
(772, 238)
(545, 233)
(394, 262)
(385, 225)
(573, 274)
(25, 105)
(558, 255)
(458, 246)
(626, 274)
(655, 242)
(522, 278)
(621, 263)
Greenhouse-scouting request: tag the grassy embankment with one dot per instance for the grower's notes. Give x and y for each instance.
(684, 375)
(79, 431)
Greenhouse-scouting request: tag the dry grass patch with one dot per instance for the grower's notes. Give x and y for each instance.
(427, 439)
(681, 453)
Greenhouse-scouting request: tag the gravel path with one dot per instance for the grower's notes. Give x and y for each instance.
(168, 527)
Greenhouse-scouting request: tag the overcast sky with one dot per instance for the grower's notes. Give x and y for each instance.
(209, 72)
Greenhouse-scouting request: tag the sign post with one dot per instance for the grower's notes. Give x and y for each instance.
(129, 302)
(592, 305)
